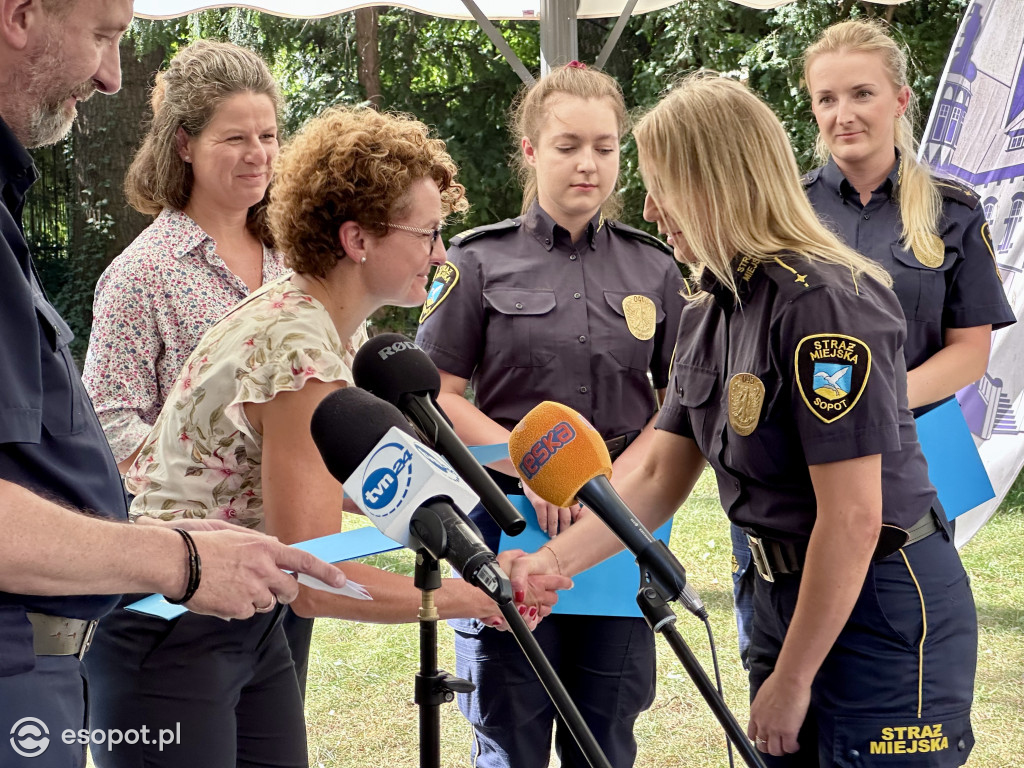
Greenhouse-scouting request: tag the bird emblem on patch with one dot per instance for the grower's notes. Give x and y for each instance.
(832, 370)
(445, 278)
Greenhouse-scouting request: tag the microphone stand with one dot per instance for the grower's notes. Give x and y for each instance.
(433, 686)
(653, 598)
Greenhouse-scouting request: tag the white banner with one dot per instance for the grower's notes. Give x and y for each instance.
(976, 133)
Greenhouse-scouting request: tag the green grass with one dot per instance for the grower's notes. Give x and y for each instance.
(359, 700)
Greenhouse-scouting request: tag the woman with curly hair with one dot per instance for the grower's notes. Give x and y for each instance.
(357, 206)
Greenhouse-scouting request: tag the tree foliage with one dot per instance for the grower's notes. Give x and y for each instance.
(449, 74)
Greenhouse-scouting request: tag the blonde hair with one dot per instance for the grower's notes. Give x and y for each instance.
(352, 165)
(720, 168)
(919, 199)
(199, 79)
(530, 113)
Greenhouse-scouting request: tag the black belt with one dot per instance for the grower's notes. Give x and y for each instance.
(771, 557)
(60, 636)
(616, 445)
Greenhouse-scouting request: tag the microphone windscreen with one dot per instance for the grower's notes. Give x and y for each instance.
(391, 365)
(347, 425)
(556, 452)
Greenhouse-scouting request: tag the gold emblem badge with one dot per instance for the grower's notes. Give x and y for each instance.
(641, 316)
(933, 254)
(746, 394)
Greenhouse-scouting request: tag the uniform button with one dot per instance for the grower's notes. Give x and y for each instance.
(519, 305)
(867, 216)
(576, 295)
(572, 257)
(583, 390)
(736, 486)
(547, 241)
(961, 745)
(853, 754)
(582, 339)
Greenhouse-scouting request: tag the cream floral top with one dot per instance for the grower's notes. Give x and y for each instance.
(203, 458)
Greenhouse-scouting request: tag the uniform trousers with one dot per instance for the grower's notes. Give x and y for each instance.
(53, 696)
(606, 664)
(897, 686)
(228, 687)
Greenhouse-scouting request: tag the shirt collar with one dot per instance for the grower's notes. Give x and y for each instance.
(748, 273)
(17, 171)
(835, 180)
(188, 237)
(548, 232)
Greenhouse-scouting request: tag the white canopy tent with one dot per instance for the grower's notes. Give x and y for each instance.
(557, 18)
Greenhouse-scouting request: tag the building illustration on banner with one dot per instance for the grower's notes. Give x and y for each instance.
(976, 134)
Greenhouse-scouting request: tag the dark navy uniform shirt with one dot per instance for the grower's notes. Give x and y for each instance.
(50, 439)
(963, 291)
(527, 316)
(807, 369)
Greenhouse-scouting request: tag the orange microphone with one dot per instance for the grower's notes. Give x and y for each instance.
(547, 442)
(562, 458)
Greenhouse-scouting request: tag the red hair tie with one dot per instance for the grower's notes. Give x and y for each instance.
(576, 65)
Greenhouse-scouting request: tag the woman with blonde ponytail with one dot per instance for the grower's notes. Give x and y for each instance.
(929, 234)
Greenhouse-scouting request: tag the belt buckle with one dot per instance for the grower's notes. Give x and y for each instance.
(760, 558)
(87, 636)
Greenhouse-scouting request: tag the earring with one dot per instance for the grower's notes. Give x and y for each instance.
(187, 158)
(362, 260)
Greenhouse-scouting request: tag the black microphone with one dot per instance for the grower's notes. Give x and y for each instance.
(409, 492)
(394, 369)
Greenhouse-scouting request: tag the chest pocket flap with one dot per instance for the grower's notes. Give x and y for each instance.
(517, 301)
(906, 257)
(521, 335)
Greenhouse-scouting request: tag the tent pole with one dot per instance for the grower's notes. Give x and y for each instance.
(558, 42)
(615, 34)
(499, 42)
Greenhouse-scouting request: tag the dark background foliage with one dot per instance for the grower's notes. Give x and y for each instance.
(448, 74)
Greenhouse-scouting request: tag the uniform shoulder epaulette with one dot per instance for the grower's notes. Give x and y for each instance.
(792, 274)
(472, 234)
(810, 177)
(638, 234)
(951, 189)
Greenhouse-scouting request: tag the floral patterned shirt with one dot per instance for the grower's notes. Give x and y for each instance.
(203, 458)
(153, 304)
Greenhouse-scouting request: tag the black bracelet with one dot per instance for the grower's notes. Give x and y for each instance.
(195, 569)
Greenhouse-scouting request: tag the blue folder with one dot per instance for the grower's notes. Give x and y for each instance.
(607, 589)
(954, 465)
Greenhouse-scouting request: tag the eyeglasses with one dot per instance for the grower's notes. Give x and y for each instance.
(433, 233)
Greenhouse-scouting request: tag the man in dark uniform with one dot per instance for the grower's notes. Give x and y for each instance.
(528, 315)
(53, 455)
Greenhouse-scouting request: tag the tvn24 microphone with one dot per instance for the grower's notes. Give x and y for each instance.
(562, 458)
(394, 369)
(409, 492)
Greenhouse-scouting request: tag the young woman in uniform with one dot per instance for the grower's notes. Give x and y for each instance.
(561, 303)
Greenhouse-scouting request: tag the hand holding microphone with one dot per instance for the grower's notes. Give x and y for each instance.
(562, 458)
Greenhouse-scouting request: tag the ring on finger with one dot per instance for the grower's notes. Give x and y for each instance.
(268, 607)
(759, 740)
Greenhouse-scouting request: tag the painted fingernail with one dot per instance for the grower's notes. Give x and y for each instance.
(533, 613)
(520, 595)
(522, 610)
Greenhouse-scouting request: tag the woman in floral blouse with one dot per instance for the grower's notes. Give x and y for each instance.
(203, 170)
(358, 201)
